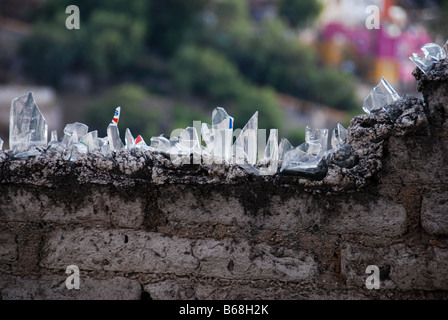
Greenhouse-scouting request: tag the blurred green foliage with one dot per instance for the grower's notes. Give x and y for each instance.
(211, 49)
(299, 13)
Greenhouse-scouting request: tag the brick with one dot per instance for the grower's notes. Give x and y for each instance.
(434, 212)
(402, 267)
(148, 252)
(52, 287)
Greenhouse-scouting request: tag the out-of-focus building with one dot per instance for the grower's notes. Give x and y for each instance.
(345, 40)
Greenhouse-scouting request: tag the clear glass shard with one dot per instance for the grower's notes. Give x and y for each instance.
(113, 137)
(189, 141)
(160, 143)
(129, 139)
(271, 150)
(113, 133)
(339, 136)
(206, 136)
(54, 135)
(221, 120)
(245, 147)
(76, 150)
(221, 135)
(27, 125)
(445, 47)
(283, 147)
(432, 53)
(316, 141)
(104, 146)
(381, 96)
(90, 140)
(55, 147)
(269, 163)
(73, 132)
(1, 144)
(307, 158)
(27, 154)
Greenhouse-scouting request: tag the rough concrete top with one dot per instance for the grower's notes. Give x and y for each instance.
(349, 169)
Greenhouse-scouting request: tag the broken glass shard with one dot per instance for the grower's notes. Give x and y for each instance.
(283, 147)
(90, 140)
(316, 141)
(206, 136)
(129, 139)
(27, 125)
(339, 136)
(189, 141)
(432, 54)
(245, 147)
(160, 143)
(1, 144)
(269, 163)
(139, 141)
(103, 144)
(381, 96)
(113, 137)
(116, 117)
(73, 132)
(76, 150)
(27, 154)
(113, 133)
(54, 136)
(220, 135)
(308, 158)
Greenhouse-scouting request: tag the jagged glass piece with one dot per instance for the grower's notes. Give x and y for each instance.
(113, 133)
(339, 136)
(103, 144)
(284, 147)
(54, 136)
(73, 132)
(129, 139)
(113, 137)
(55, 147)
(139, 141)
(90, 140)
(27, 125)
(189, 141)
(316, 141)
(77, 149)
(206, 136)
(381, 96)
(1, 144)
(220, 136)
(268, 165)
(245, 147)
(307, 157)
(160, 143)
(432, 54)
(116, 117)
(271, 150)
(27, 154)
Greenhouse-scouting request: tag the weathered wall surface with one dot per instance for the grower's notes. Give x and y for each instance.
(139, 227)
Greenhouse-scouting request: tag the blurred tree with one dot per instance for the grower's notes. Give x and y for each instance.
(171, 21)
(205, 72)
(299, 13)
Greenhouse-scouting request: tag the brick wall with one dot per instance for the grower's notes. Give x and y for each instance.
(138, 226)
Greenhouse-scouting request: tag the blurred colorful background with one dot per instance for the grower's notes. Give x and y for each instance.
(167, 63)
